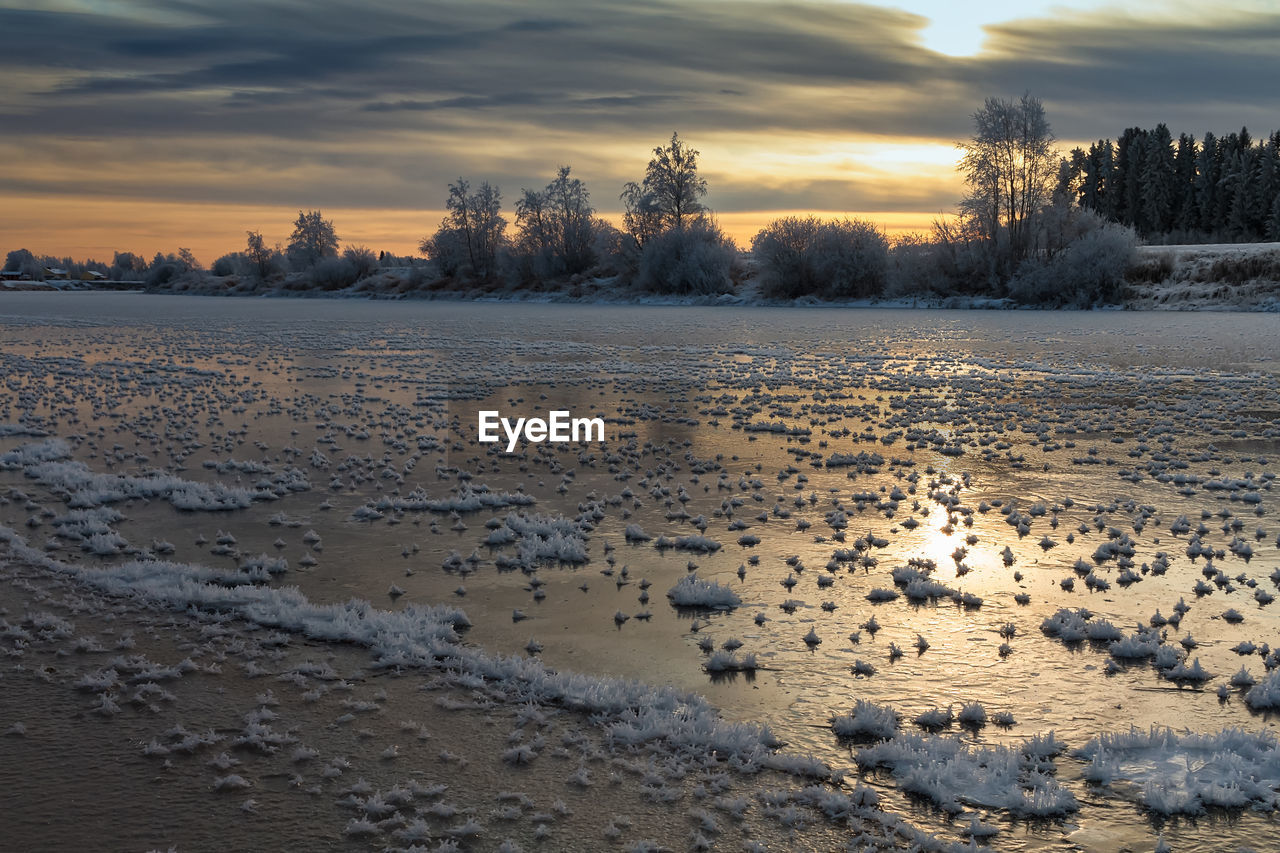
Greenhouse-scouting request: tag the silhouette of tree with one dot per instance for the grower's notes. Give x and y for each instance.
(670, 194)
(259, 253)
(1010, 167)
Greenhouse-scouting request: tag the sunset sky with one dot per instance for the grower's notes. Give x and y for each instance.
(145, 126)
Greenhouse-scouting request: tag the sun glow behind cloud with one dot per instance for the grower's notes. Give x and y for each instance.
(167, 122)
(961, 29)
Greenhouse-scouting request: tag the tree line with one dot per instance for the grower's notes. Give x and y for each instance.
(1035, 226)
(1219, 189)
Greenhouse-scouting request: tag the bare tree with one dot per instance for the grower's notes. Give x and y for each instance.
(1010, 167)
(259, 253)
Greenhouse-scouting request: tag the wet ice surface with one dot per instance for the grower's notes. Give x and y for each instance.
(941, 536)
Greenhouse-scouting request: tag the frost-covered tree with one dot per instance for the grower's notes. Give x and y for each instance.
(126, 266)
(313, 240)
(362, 259)
(260, 255)
(471, 234)
(557, 228)
(1009, 167)
(23, 262)
(670, 196)
(695, 259)
(164, 268)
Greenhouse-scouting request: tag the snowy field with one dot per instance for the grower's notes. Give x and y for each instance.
(1211, 277)
(835, 580)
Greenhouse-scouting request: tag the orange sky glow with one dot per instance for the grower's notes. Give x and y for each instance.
(94, 229)
(157, 127)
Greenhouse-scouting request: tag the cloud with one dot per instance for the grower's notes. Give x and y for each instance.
(382, 103)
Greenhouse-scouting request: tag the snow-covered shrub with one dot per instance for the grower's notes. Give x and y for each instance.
(842, 258)
(1089, 271)
(914, 268)
(334, 274)
(635, 533)
(362, 259)
(447, 251)
(695, 259)
(234, 263)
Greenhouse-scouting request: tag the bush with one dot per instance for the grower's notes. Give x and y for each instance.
(231, 264)
(1089, 271)
(956, 260)
(334, 274)
(915, 268)
(447, 249)
(695, 259)
(161, 274)
(362, 259)
(1237, 269)
(843, 258)
(1150, 269)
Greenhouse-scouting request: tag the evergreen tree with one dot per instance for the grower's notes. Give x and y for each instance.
(1128, 189)
(1232, 208)
(1069, 188)
(1106, 169)
(1091, 186)
(1273, 221)
(1208, 170)
(1156, 184)
(1224, 188)
(1229, 178)
(1263, 185)
(1185, 216)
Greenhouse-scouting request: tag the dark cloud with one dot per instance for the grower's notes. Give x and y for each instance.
(386, 100)
(466, 102)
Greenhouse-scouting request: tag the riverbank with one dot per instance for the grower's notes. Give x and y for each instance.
(1211, 277)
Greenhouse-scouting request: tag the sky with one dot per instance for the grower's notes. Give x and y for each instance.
(144, 126)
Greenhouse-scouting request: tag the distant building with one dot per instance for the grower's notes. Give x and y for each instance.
(93, 275)
(55, 273)
(13, 275)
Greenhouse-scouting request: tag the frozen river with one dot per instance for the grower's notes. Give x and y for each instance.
(934, 538)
